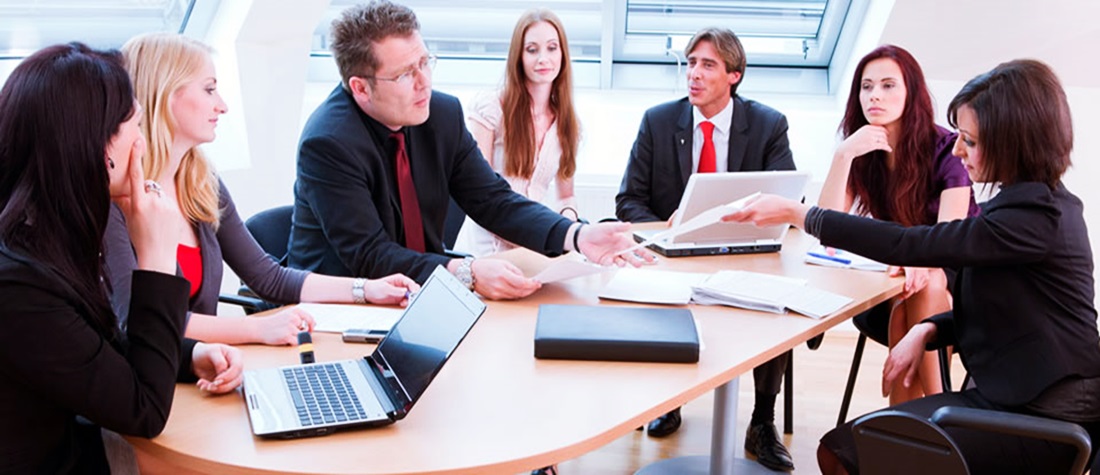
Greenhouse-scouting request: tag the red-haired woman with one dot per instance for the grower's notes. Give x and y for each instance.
(895, 164)
(529, 132)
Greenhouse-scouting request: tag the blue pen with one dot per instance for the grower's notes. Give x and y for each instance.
(827, 257)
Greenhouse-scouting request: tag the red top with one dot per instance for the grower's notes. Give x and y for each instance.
(190, 261)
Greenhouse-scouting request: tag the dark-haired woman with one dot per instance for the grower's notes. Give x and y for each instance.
(896, 164)
(1024, 320)
(69, 141)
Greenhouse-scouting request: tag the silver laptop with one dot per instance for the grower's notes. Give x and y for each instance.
(379, 389)
(707, 190)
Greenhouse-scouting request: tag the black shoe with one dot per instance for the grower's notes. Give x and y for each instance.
(665, 425)
(762, 441)
(551, 470)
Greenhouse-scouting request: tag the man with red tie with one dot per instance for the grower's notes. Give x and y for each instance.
(381, 157)
(711, 130)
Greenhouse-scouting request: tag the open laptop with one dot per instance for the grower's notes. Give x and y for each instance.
(707, 190)
(379, 389)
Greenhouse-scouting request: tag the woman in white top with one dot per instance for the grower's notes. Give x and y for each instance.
(537, 152)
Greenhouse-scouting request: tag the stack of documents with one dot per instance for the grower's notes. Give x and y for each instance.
(767, 293)
(833, 257)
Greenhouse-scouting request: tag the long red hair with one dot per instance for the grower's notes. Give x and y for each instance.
(900, 195)
(515, 101)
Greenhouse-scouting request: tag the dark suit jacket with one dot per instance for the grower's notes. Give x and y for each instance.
(661, 163)
(55, 365)
(347, 215)
(1024, 315)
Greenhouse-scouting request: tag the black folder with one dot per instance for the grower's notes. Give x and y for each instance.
(613, 333)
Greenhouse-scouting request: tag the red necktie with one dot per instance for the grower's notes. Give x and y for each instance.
(410, 205)
(706, 156)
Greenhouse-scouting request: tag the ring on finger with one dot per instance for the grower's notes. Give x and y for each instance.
(153, 187)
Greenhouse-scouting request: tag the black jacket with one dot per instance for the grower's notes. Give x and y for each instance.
(347, 215)
(1023, 298)
(54, 366)
(661, 162)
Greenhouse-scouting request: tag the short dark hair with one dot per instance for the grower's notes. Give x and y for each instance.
(59, 110)
(1024, 124)
(358, 28)
(728, 46)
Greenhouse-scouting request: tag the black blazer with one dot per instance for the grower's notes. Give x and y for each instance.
(347, 214)
(55, 365)
(661, 163)
(1023, 296)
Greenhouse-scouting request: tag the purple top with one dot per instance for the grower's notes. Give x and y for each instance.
(949, 173)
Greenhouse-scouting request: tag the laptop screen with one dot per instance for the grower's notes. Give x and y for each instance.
(433, 325)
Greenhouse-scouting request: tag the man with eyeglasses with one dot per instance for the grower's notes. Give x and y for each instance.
(381, 157)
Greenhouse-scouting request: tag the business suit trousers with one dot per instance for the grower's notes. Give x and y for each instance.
(984, 452)
(768, 377)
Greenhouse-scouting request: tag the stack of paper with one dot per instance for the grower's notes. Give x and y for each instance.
(833, 257)
(767, 293)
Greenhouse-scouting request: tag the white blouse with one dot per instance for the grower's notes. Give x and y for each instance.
(544, 186)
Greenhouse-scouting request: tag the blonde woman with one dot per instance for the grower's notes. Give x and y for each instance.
(176, 86)
(536, 152)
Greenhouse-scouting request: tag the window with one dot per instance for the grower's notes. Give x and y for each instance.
(774, 32)
(482, 29)
(29, 25)
(631, 44)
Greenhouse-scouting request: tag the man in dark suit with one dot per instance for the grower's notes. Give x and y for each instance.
(711, 130)
(380, 159)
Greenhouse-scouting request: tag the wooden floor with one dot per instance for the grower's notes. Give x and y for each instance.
(819, 375)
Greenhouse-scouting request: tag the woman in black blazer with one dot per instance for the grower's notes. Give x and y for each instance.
(1024, 321)
(69, 140)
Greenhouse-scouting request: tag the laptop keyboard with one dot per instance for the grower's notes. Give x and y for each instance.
(322, 394)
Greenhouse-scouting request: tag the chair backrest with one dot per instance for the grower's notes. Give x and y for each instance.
(893, 442)
(271, 229)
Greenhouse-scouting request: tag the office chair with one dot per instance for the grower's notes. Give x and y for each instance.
(900, 443)
(874, 324)
(271, 229)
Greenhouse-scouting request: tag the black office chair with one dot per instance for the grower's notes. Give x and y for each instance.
(900, 443)
(271, 229)
(874, 324)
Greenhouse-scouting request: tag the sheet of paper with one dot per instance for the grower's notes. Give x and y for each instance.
(701, 220)
(651, 286)
(565, 269)
(335, 318)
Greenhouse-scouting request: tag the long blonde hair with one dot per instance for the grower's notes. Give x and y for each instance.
(515, 101)
(159, 64)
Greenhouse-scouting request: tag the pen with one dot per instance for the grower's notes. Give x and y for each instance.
(409, 295)
(827, 257)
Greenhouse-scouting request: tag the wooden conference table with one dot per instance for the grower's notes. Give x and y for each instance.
(494, 408)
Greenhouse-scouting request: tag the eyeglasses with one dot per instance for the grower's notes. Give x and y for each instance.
(423, 67)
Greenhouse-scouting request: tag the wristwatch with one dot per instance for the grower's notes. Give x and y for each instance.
(357, 294)
(465, 273)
